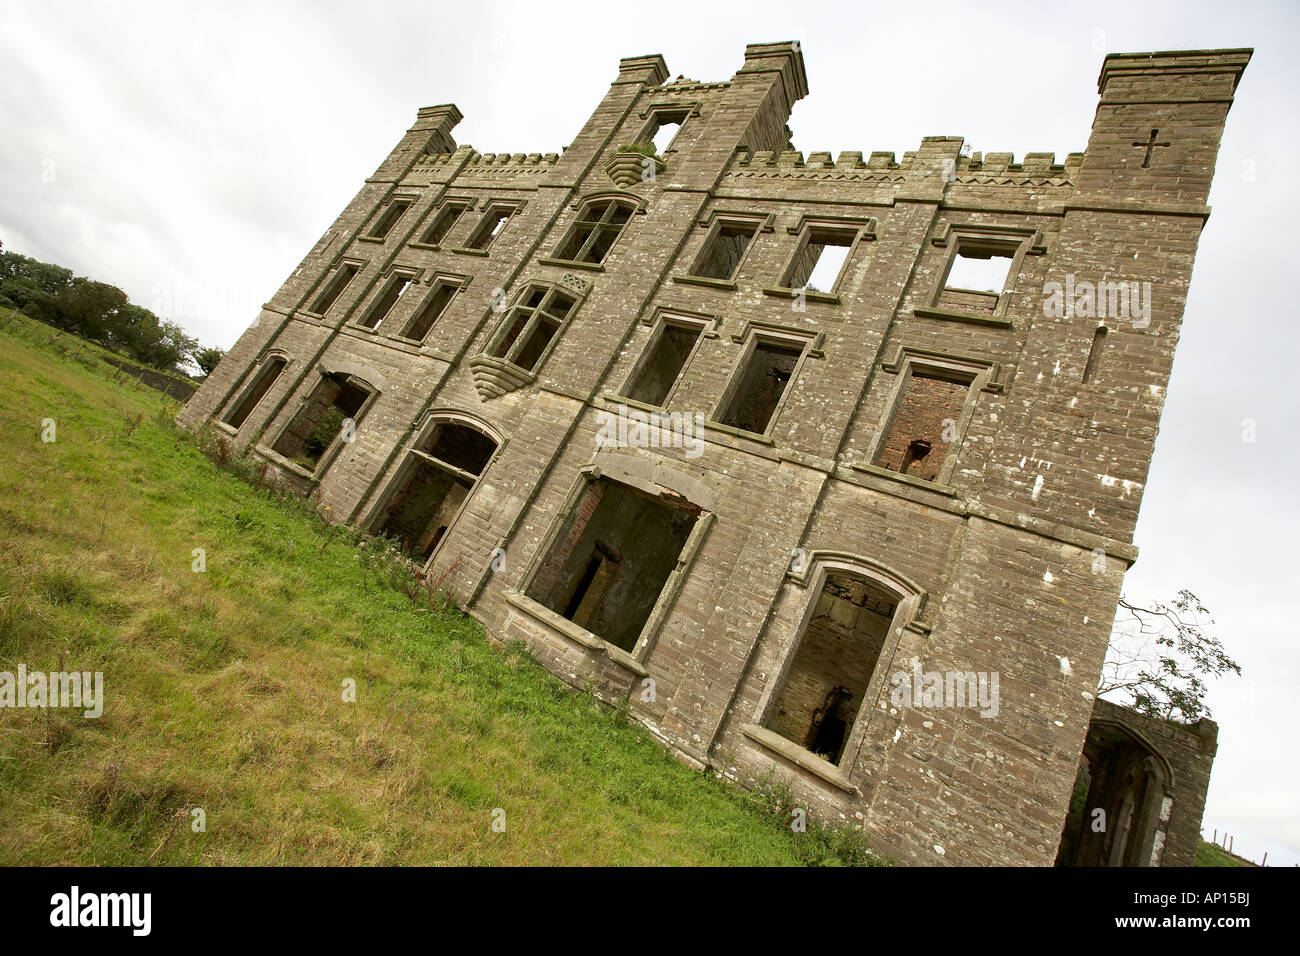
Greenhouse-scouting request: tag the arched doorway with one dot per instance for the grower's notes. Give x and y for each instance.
(1119, 801)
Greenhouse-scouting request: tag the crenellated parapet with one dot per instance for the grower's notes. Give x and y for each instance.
(1035, 169)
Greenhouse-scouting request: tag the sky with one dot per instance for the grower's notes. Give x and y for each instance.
(192, 153)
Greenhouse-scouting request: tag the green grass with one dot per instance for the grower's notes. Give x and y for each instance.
(224, 688)
(1207, 854)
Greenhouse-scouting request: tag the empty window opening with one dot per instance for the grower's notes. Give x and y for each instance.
(463, 448)
(977, 276)
(589, 595)
(594, 233)
(1094, 353)
(441, 474)
(385, 223)
(763, 380)
(255, 392)
(658, 372)
(334, 287)
(337, 400)
(447, 217)
(393, 290)
(726, 248)
(820, 260)
(832, 667)
(612, 559)
(531, 326)
(434, 304)
(924, 425)
(490, 227)
(663, 129)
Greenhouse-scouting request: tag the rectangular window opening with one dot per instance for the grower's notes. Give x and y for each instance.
(534, 344)
(334, 287)
(977, 276)
(255, 392)
(824, 685)
(762, 384)
(393, 291)
(820, 260)
(667, 357)
(490, 227)
(442, 223)
(435, 303)
(663, 129)
(385, 223)
(924, 425)
(612, 559)
(726, 248)
(334, 402)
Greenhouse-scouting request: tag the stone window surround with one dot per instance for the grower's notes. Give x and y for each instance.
(327, 457)
(810, 575)
(648, 473)
(410, 458)
(464, 201)
(713, 222)
(748, 337)
(244, 383)
(382, 283)
(639, 208)
(661, 318)
(515, 206)
(864, 230)
(330, 271)
(438, 277)
(408, 198)
(1020, 241)
(651, 115)
(551, 286)
(980, 375)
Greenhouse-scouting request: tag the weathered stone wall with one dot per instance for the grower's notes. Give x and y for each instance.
(1006, 558)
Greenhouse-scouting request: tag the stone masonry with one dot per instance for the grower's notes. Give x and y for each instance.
(878, 449)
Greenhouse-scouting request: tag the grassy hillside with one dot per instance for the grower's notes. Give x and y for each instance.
(1207, 854)
(224, 688)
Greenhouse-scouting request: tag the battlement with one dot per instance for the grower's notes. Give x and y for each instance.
(883, 166)
(476, 158)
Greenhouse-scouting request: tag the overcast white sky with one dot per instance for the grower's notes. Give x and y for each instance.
(192, 153)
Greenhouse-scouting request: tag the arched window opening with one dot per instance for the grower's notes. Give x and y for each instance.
(598, 225)
(826, 681)
(435, 482)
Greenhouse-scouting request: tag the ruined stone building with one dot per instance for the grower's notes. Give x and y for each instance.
(759, 442)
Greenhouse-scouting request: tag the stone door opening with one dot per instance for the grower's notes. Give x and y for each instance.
(1119, 802)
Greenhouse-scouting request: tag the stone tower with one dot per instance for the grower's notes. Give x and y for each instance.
(828, 467)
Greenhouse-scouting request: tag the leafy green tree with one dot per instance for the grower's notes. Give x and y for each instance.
(46, 276)
(94, 310)
(207, 358)
(90, 308)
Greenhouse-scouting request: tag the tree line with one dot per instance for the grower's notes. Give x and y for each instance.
(99, 312)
